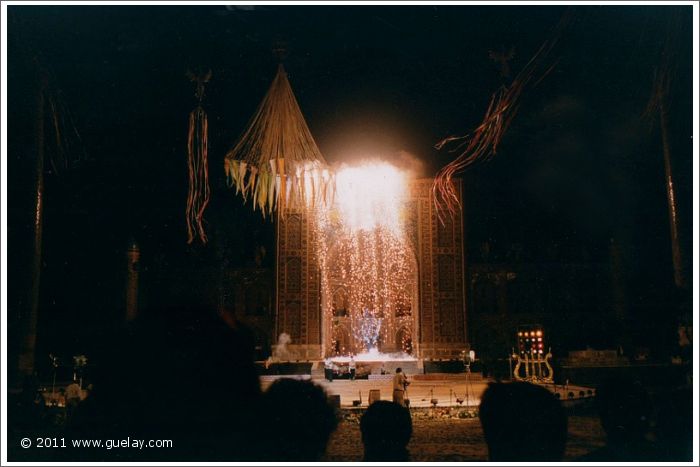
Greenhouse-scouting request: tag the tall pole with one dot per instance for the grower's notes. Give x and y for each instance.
(133, 254)
(469, 372)
(677, 255)
(276, 312)
(659, 103)
(28, 340)
(510, 364)
(617, 281)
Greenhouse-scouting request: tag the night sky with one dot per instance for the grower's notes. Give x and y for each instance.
(579, 166)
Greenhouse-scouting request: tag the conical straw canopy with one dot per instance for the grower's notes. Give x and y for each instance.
(276, 162)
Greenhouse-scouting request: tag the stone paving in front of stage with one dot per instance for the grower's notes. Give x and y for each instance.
(457, 440)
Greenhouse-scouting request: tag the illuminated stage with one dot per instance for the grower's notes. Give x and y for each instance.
(377, 270)
(447, 390)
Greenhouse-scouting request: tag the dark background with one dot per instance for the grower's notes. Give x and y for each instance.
(579, 166)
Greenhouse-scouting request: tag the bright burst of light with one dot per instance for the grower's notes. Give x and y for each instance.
(370, 196)
(364, 235)
(367, 329)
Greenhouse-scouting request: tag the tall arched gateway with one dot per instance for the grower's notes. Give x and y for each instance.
(325, 314)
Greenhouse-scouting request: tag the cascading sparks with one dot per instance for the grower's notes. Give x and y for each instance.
(370, 197)
(363, 250)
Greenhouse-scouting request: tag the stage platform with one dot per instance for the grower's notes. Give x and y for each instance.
(446, 389)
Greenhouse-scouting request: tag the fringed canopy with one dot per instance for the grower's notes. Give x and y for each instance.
(276, 163)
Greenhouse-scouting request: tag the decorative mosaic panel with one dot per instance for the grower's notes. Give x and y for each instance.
(294, 231)
(446, 273)
(443, 323)
(298, 295)
(293, 320)
(293, 274)
(445, 237)
(448, 319)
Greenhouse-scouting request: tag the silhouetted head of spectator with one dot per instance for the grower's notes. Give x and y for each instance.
(398, 370)
(298, 421)
(674, 426)
(386, 430)
(30, 386)
(625, 410)
(179, 373)
(522, 422)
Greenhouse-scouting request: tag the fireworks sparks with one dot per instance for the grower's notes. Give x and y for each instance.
(370, 197)
(367, 329)
(363, 250)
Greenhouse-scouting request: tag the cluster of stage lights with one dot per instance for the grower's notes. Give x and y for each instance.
(532, 340)
(362, 243)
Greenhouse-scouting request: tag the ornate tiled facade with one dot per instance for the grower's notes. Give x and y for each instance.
(298, 285)
(437, 323)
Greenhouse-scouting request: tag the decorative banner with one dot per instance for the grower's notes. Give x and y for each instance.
(197, 142)
(480, 145)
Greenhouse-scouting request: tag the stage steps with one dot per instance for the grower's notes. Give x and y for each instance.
(444, 366)
(318, 370)
(448, 377)
(410, 367)
(286, 368)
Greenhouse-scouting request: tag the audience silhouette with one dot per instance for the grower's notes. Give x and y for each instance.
(297, 421)
(386, 430)
(522, 422)
(29, 409)
(625, 411)
(187, 374)
(182, 374)
(674, 426)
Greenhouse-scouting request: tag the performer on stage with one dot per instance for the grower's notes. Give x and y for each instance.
(400, 383)
(352, 367)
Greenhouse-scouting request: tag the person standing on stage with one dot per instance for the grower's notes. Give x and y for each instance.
(352, 367)
(400, 383)
(328, 368)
